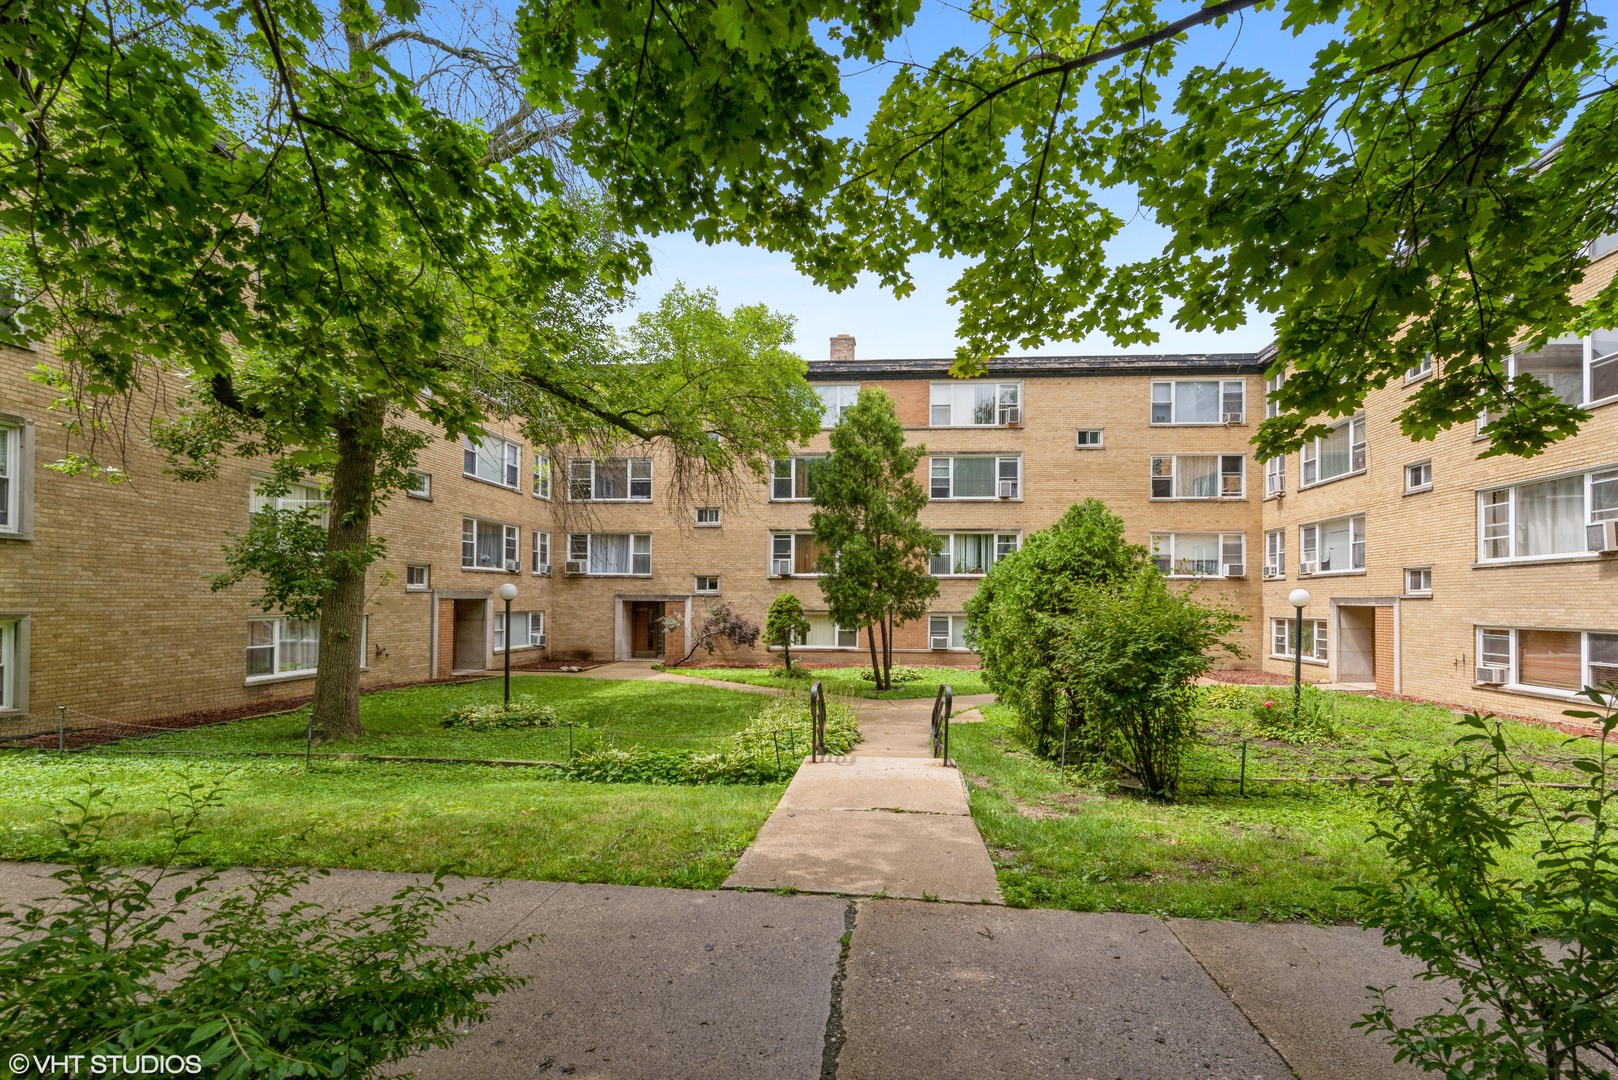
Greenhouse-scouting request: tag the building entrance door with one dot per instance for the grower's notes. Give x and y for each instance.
(1356, 645)
(471, 635)
(646, 629)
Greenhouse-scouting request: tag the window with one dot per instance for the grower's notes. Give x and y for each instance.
(487, 545)
(795, 553)
(1272, 386)
(612, 554)
(1199, 401)
(1559, 364)
(1199, 476)
(706, 583)
(11, 476)
(1275, 477)
(1560, 661)
(1332, 547)
(1544, 518)
(1200, 554)
(975, 477)
(1419, 580)
(946, 628)
(11, 688)
(972, 553)
(491, 459)
(1602, 348)
(976, 404)
(417, 578)
(1283, 632)
(609, 479)
(836, 400)
(825, 634)
(542, 553)
(1091, 438)
(420, 485)
(793, 478)
(302, 496)
(280, 646)
(542, 476)
(1418, 477)
(1422, 369)
(707, 517)
(527, 630)
(1336, 454)
(1275, 554)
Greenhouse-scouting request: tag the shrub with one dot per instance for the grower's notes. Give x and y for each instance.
(1311, 721)
(719, 622)
(259, 985)
(1227, 696)
(1533, 960)
(897, 676)
(785, 623)
(524, 712)
(788, 718)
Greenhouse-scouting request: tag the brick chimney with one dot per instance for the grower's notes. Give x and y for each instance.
(842, 347)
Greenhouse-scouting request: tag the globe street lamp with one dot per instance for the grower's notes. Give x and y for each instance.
(508, 593)
(1299, 598)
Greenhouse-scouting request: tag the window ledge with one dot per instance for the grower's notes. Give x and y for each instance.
(974, 498)
(418, 588)
(1332, 480)
(1197, 498)
(1538, 560)
(1196, 423)
(1416, 596)
(1418, 491)
(418, 495)
(1306, 660)
(15, 535)
(488, 570)
(599, 574)
(545, 498)
(962, 577)
(707, 525)
(492, 483)
(1530, 691)
(636, 499)
(1334, 573)
(1273, 496)
(1273, 577)
(288, 676)
(1412, 380)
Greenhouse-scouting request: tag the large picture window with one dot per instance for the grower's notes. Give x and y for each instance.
(825, 634)
(1199, 476)
(278, 647)
(1545, 518)
(491, 459)
(794, 554)
(1283, 633)
(298, 496)
(1199, 401)
(975, 477)
(609, 479)
(1557, 661)
(975, 404)
(612, 554)
(489, 545)
(1332, 547)
(793, 479)
(1339, 453)
(971, 553)
(1200, 554)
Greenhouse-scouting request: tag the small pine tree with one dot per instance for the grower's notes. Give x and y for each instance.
(867, 505)
(784, 623)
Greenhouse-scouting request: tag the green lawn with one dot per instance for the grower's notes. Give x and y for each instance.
(1282, 852)
(473, 819)
(663, 716)
(846, 680)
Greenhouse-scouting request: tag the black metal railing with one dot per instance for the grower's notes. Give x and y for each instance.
(943, 705)
(817, 718)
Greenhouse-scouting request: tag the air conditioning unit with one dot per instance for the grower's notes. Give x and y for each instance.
(1008, 489)
(1306, 568)
(1233, 417)
(575, 566)
(1011, 417)
(539, 642)
(513, 566)
(543, 569)
(938, 641)
(1235, 569)
(1493, 676)
(1272, 571)
(1601, 536)
(781, 568)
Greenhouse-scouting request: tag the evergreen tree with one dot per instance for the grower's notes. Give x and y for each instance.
(784, 623)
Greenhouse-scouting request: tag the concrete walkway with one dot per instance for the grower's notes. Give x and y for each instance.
(629, 983)
(886, 820)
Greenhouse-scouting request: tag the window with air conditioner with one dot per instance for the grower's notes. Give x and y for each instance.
(1336, 546)
(613, 479)
(1339, 453)
(835, 400)
(1275, 554)
(542, 476)
(946, 631)
(794, 479)
(1283, 635)
(418, 578)
(1199, 476)
(542, 552)
(1418, 477)
(1199, 401)
(611, 554)
(975, 477)
(1202, 555)
(975, 404)
(489, 545)
(971, 554)
(1275, 477)
(527, 630)
(491, 459)
(1418, 580)
(1547, 660)
(794, 554)
(1545, 518)
(536, 628)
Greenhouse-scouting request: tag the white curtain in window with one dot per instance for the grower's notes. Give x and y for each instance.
(821, 633)
(609, 553)
(1550, 517)
(1196, 553)
(1335, 552)
(1334, 453)
(1196, 402)
(973, 552)
(1559, 365)
(490, 549)
(1196, 477)
(300, 645)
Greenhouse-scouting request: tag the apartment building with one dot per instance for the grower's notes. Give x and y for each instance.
(1431, 573)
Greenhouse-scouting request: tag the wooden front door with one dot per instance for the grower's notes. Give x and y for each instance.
(646, 630)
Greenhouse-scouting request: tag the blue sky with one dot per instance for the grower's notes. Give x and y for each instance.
(923, 324)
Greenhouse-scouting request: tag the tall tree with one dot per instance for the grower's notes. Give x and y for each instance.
(867, 501)
(1397, 200)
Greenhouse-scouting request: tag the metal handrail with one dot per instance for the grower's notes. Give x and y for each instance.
(943, 705)
(817, 720)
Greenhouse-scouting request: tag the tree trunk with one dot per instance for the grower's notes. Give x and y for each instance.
(336, 709)
(786, 654)
(876, 665)
(887, 649)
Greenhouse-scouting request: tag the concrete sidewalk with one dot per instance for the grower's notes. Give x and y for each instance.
(887, 820)
(632, 983)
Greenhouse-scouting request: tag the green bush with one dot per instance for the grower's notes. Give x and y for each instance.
(1228, 696)
(260, 985)
(899, 674)
(1312, 721)
(524, 712)
(1533, 959)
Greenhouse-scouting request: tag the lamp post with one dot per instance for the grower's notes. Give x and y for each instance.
(508, 593)
(1299, 598)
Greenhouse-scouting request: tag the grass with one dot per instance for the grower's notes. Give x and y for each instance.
(1286, 851)
(471, 819)
(846, 680)
(661, 716)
